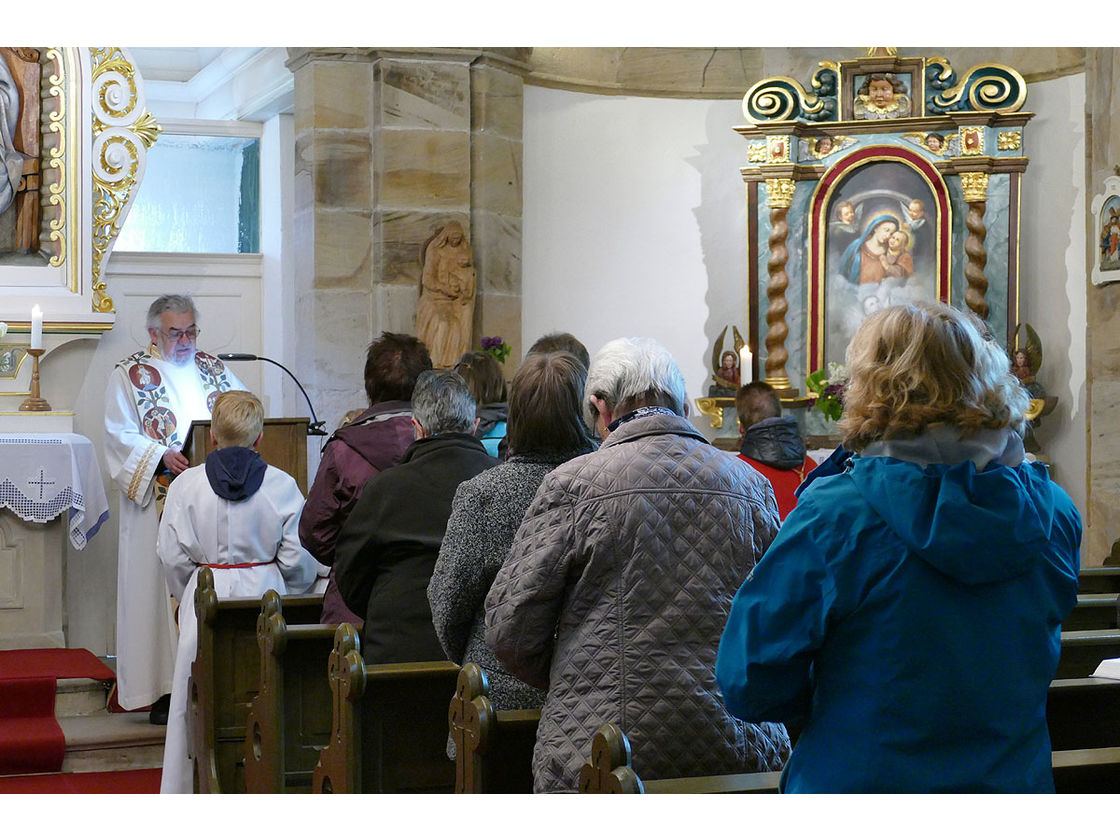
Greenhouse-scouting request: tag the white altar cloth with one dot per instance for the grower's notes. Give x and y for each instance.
(43, 475)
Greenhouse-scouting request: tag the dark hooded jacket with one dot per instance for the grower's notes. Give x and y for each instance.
(909, 616)
(387, 548)
(775, 442)
(775, 448)
(375, 441)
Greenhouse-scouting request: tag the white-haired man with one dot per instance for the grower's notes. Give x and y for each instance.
(151, 400)
(620, 578)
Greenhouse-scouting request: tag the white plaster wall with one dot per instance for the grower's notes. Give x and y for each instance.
(1053, 294)
(634, 222)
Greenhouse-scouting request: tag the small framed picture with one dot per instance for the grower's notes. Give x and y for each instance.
(1106, 211)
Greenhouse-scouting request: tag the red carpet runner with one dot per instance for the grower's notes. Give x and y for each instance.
(117, 781)
(31, 740)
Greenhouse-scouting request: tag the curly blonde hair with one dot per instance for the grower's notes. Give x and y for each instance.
(914, 365)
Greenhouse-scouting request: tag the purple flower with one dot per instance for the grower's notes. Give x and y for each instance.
(492, 342)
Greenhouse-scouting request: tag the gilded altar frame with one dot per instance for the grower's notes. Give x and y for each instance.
(953, 142)
(93, 140)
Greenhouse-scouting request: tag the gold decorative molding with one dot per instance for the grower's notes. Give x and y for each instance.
(779, 191)
(122, 134)
(975, 186)
(1009, 140)
(711, 407)
(62, 159)
(756, 153)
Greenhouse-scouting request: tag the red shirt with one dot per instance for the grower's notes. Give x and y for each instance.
(784, 482)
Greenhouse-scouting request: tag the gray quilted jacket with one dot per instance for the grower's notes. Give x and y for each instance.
(614, 597)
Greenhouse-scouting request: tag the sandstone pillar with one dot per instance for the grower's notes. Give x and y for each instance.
(390, 146)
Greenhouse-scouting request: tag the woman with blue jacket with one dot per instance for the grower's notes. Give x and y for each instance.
(908, 615)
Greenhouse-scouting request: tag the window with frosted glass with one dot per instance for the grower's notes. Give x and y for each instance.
(199, 195)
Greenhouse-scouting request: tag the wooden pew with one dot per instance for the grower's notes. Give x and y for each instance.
(493, 749)
(1083, 716)
(1083, 713)
(289, 720)
(1094, 611)
(389, 724)
(609, 771)
(1083, 650)
(224, 679)
(1099, 579)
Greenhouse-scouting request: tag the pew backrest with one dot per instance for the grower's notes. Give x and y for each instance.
(289, 719)
(389, 726)
(1083, 650)
(1094, 611)
(1099, 579)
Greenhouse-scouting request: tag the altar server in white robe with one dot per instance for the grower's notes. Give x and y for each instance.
(152, 397)
(240, 517)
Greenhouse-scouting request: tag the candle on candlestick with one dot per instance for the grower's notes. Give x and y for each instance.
(745, 363)
(36, 328)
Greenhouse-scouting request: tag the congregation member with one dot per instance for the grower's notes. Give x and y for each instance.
(370, 443)
(561, 342)
(388, 546)
(620, 578)
(908, 615)
(483, 375)
(545, 430)
(771, 443)
(151, 399)
(240, 517)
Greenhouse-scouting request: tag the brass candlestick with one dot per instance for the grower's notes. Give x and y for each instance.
(35, 402)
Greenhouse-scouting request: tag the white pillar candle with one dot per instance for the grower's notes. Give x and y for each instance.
(36, 328)
(745, 362)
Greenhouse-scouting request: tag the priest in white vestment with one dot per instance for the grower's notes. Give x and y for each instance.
(240, 517)
(152, 397)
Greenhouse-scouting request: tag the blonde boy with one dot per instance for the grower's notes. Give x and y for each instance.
(240, 517)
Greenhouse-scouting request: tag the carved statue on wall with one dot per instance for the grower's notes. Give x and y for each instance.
(445, 314)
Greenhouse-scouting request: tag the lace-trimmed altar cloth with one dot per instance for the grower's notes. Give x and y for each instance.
(43, 475)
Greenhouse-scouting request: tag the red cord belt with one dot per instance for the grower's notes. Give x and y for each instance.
(235, 565)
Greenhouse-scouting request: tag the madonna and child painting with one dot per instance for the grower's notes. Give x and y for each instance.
(880, 249)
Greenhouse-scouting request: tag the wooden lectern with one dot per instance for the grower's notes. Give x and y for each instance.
(284, 445)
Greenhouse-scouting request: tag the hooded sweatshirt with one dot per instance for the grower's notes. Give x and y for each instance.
(235, 472)
(775, 448)
(908, 616)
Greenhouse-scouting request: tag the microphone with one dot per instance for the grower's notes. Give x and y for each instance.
(315, 428)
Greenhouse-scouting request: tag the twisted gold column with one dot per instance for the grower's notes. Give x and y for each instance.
(780, 196)
(976, 194)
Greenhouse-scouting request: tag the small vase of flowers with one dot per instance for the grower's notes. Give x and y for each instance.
(828, 386)
(497, 348)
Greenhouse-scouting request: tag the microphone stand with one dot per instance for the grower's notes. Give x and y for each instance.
(315, 428)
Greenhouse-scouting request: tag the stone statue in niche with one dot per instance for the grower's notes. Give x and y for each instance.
(445, 314)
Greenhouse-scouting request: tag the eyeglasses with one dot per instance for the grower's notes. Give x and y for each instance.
(191, 333)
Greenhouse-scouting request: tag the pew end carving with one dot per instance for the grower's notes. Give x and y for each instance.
(493, 749)
(225, 677)
(389, 724)
(289, 720)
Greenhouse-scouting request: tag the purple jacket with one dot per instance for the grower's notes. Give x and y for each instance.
(353, 455)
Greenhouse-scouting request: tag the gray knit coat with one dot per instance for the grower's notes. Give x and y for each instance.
(485, 515)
